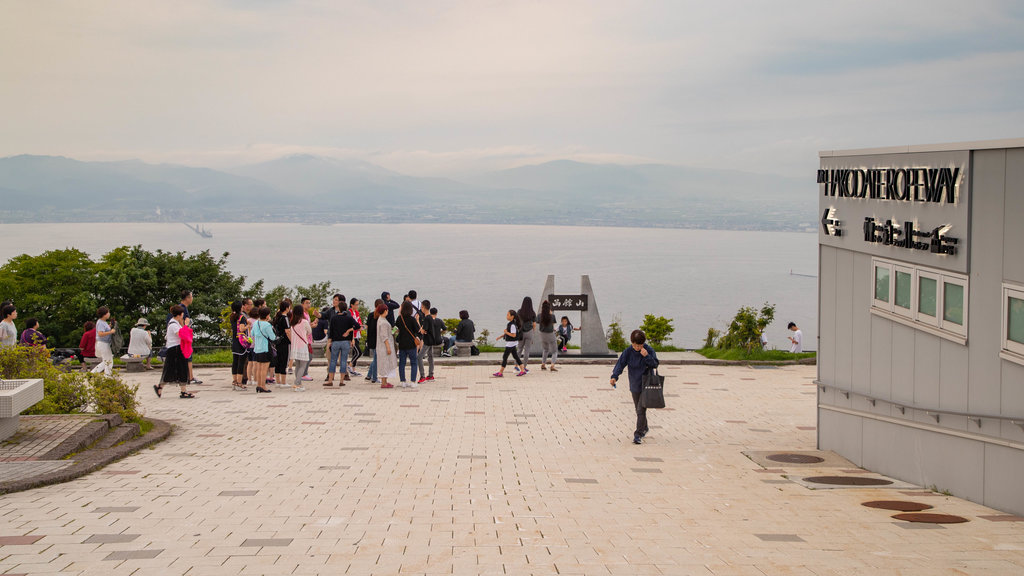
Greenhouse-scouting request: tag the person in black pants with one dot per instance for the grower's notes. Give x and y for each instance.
(638, 358)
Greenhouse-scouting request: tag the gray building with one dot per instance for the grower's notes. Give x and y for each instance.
(921, 315)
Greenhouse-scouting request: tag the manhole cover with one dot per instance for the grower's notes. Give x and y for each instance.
(795, 458)
(848, 481)
(930, 518)
(897, 505)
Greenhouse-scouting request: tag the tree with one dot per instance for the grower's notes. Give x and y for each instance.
(616, 339)
(746, 328)
(319, 293)
(54, 287)
(657, 328)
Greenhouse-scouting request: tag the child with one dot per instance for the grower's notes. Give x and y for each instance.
(565, 333)
(511, 335)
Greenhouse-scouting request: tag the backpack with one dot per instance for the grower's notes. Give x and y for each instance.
(116, 340)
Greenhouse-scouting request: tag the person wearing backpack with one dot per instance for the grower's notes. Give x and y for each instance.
(263, 338)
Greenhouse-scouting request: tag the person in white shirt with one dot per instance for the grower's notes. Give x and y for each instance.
(140, 342)
(797, 338)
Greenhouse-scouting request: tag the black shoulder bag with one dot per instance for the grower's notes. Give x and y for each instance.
(652, 393)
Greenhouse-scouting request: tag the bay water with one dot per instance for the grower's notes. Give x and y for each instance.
(699, 278)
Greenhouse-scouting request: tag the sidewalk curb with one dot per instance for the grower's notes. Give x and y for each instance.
(90, 460)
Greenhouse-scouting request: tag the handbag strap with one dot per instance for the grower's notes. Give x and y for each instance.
(402, 318)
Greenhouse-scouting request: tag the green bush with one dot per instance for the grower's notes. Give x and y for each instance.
(616, 339)
(68, 392)
(657, 329)
(709, 340)
(746, 328)
(111, 395)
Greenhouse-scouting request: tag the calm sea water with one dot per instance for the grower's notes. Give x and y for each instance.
(699, 278)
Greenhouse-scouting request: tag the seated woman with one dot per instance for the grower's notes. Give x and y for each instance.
(140, 342)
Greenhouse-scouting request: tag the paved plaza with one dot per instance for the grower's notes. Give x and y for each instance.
(478, 475)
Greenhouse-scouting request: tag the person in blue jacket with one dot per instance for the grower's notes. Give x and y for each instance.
(638, 358)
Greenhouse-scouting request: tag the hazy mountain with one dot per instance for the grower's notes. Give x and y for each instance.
(317, 189)
(331, 182)
(55, 184)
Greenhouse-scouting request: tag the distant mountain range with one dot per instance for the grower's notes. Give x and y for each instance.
(325, 190)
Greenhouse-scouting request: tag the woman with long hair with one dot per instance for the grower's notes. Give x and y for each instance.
(546, 328)
(511, 337)
(371, 341)
(301, 344)
(356, 352)
(408, 328)
(387, 354)
(175, 366)
(240, 341)
(527, 319)
(283, 344)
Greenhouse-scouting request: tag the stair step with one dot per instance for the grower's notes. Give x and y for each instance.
(117, 435)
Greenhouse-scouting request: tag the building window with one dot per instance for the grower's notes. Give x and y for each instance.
(882, 272)
(1013, 318)
(922, 295)
(927, 296)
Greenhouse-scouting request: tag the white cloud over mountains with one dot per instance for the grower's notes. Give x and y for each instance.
(445, 87)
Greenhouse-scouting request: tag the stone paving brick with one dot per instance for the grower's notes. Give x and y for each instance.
(430, 489)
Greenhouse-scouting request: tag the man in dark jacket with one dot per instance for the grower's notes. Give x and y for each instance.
(638, 358)
(392, 306)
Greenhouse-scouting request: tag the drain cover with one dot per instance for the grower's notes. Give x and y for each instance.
(931, 518)
(795, 458)
(848, 481)
(897, 505)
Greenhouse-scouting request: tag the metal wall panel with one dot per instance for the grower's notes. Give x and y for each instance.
(844, 319)
(985, 309)
(881, 358)
(927, 351)
(1013, 217)
(841, 433)
(926, 458)
(861, 349)
(1004, 468)
(827, 316)
(953, 369)
(903, 364)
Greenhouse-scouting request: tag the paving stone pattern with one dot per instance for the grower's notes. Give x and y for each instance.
(37, 435)
(541, 482)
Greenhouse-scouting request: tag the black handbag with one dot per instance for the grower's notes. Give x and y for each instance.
(652, 393)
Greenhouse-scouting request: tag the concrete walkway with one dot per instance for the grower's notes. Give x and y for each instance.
(477, 475)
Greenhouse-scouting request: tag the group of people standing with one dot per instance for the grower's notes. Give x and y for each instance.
(524, 328)
(287, 341)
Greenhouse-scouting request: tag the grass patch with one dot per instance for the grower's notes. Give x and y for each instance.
(757, 356)
(145, 426)
(667, 348)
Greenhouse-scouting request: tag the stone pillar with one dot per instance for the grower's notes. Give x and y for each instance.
(592, 337)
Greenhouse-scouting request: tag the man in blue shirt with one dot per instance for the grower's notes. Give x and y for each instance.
(638, 358)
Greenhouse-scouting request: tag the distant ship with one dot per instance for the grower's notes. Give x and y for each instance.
(202, 231)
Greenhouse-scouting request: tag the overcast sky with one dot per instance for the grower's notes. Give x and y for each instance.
(445, 87)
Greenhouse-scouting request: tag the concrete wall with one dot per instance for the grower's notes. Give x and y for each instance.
(910, 372)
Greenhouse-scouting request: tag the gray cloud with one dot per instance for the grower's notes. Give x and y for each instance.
(449, 87)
